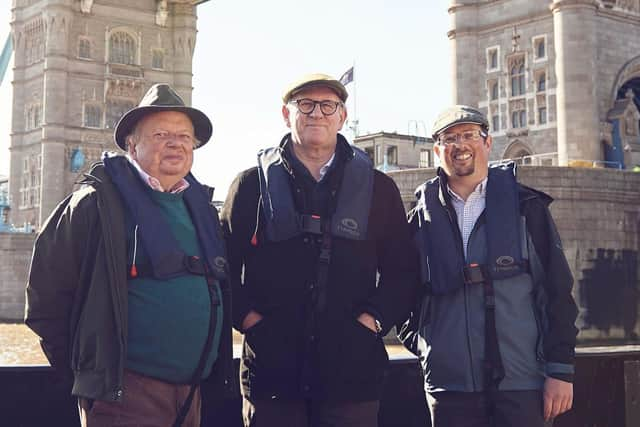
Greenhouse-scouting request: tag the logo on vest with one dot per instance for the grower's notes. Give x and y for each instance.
(505, 263)
(349, 226)
(220, 263)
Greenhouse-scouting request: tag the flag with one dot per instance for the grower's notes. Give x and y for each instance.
(347, 77)
(5, 56)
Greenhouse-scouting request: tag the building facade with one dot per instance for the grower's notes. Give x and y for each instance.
(552, 77)
(79, 65)
(393, 151)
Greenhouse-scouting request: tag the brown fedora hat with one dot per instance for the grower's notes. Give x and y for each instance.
(161, 97)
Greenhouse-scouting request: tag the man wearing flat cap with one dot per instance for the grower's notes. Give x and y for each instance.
(495, 329)
(308, 232)
(128, 288)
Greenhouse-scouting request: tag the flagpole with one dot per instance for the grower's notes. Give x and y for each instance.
(355, 100)
(355, 104)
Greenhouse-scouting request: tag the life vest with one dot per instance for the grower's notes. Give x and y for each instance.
(282, 219)
(165, 259)
(440, 244)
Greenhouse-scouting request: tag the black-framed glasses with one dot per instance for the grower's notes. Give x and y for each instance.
(466, 136)
(306, 106)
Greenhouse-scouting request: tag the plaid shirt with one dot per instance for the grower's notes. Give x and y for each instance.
(155, 184)
(469, 211)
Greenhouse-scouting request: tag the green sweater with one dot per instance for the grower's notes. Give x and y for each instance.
(169, 319)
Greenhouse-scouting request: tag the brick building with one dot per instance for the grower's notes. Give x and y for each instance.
(394, 151)
(551, 76)
(79, 65)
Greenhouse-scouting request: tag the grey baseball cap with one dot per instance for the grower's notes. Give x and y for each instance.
(457, 115)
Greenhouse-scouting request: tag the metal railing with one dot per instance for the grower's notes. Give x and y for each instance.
(543, 159)
(551, 159)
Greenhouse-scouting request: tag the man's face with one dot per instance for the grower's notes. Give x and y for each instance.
(464, 159)
(163, 146)
(314, 129)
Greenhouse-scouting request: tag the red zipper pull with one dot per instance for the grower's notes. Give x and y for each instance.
(134, 271)
(254, 240)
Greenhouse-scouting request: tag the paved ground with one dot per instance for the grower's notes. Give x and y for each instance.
(19, 346)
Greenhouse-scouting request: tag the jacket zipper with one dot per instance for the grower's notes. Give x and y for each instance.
(117, 394)
(454, 222)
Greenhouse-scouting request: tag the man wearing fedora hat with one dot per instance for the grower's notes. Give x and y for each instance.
(128, 286)
(308, 231)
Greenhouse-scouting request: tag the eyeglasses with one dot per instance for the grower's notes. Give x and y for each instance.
(306, 106)
(466, 136)
(163, 136)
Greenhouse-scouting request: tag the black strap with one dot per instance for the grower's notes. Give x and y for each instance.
(206, 350)
(324, 259)
(318, 301)
(493, 367)
(311, 224)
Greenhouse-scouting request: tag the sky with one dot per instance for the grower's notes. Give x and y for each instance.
(248, 51)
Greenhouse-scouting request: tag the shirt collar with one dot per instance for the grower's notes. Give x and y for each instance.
(325, 168)
(297, 164)
(480, 190)
(154, 183)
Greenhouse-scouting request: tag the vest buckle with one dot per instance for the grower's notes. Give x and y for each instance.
(473, 274)
(194, 265)
(311, 224)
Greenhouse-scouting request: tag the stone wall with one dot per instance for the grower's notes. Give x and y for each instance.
(15, 255)
(597, 212)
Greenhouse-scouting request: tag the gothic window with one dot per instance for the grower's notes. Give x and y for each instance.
(122, 48)
(392, 155)
(495, 123)
(34, 41)
(518, 119)
(92, 116)
(540, 48)
(542, 115)
(84, 49)
(493, 58)
(33, 116)
(541, 83)
(493, 90)
(30, 181)
(115, 110)
(517, 79)
(157, 59)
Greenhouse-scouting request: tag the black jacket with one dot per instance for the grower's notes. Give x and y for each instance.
(339, 359)
(77, 294)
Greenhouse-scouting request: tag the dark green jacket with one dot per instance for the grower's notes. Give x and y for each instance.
(77, 293)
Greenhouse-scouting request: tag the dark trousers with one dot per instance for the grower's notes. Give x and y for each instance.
(146, 402)
(505, 409)
(306, 413)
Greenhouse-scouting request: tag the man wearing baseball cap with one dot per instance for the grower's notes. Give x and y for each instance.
(495, 329)
(128, 286)
(308, 230)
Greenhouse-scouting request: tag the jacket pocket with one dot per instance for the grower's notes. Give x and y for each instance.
(265, 348)
(363, 355)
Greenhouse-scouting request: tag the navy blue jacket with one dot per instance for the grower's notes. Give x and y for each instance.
(535, 312)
